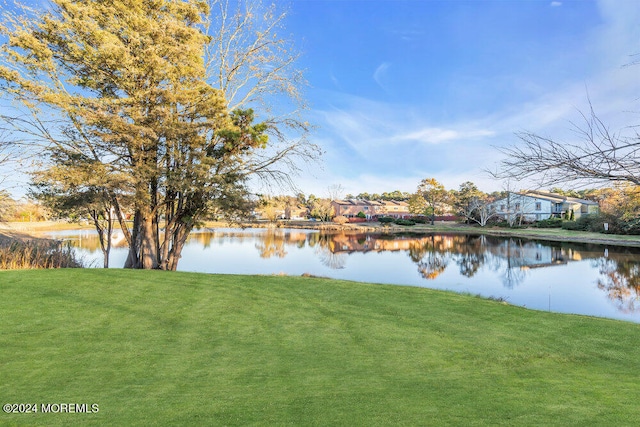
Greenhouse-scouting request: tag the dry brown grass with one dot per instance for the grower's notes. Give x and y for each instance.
(19, 251)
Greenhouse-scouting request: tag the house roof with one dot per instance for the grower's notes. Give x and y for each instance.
(393, 203)
(557, 198)
(356, 202)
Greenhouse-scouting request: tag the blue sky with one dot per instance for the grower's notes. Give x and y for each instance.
(402, 90)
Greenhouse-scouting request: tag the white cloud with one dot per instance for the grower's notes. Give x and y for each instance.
(435, 135)
(380, 73)
(556, 4)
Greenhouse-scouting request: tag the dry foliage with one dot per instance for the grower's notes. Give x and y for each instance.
(37, 253)
(342, 220)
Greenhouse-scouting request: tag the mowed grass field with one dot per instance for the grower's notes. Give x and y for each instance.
(159, 348)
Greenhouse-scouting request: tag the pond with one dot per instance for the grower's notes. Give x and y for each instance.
(561, 277)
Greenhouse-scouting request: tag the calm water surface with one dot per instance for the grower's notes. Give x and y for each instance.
(569, 278)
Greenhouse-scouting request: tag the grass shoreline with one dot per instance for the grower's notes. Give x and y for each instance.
(166, 348)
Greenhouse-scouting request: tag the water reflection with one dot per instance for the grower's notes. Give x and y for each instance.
(523, 271)
(621, 281)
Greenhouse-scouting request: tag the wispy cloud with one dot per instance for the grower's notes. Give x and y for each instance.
(436, 135)
(396, 143)
(556, 4)
(408, 34)
(334, 80)
(380, 73)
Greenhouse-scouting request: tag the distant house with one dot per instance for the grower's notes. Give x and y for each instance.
(370, 208)
(352, 207)
(296, 212)
(539, 205)
(395, 209)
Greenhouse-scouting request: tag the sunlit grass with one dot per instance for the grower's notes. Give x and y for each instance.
(157, 348)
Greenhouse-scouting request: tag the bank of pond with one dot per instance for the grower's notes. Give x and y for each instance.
(561, 277)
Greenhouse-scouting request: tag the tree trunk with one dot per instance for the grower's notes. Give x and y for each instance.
(181, 234)
(134, 243)
(149, 245)
(104, 236)
(109, 234)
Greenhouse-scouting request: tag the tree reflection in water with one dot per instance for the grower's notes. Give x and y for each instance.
(470, 253)
(430, 255)
(329, 249)
(621, 281)
(514, 272)
(333, 260)
(272, 244)
(470, 260)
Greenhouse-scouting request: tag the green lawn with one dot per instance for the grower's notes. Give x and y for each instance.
(158, 348)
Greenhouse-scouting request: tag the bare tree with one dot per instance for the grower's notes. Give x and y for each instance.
(482, 210)
(335, 191)
(250, 61)
(514, 205)
(8, 153)
(598, 154)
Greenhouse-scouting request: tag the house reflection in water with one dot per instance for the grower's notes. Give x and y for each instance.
(517, 252)
(524, 254)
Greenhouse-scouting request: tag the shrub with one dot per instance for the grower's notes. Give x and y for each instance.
(448, 218)
(595, 223)
(549, 223)
(356, 219)
(405, 222)
(586, 223)
(630, 227)
(421, 219)
(574, 225)
(361, 215)
(342, 220)
(386, 220)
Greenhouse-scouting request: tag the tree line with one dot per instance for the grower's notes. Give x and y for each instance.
(619, 204)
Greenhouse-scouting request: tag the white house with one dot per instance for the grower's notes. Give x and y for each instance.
(539, 205)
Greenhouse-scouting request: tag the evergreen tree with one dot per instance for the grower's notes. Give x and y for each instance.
(126, 86)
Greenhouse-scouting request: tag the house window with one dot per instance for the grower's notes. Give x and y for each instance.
(538, 206)
(584, 209)
(517, 206)
(503, 208)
